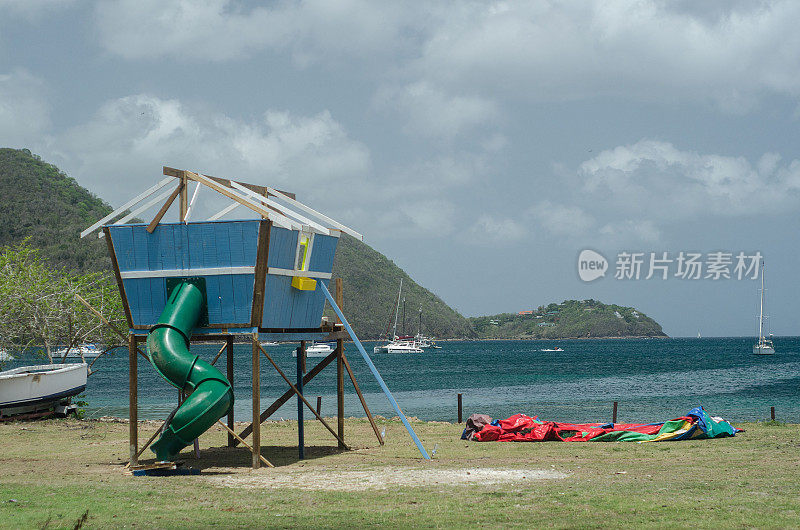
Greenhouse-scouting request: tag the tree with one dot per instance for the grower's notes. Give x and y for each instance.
(39, 311)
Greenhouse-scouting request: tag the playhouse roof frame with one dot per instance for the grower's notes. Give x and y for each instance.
(284, 212)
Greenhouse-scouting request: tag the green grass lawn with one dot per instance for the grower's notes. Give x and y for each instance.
(52, 472)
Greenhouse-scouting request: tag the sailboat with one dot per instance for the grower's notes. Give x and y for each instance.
(398, 344)
(764, 345)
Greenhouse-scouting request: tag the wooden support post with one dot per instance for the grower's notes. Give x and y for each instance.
(133, 398)
(229, 362)
(460, 416)
(772, 413)
(157, 219)
(339, 298)
(340, 389)
(319, 405)
(614, 414)
(278, 403)
(298, 394)
(184, 203)
(256, 402)
(361, 398)
(301, 442)
(238, 439)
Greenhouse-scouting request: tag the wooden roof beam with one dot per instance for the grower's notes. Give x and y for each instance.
(177, 173)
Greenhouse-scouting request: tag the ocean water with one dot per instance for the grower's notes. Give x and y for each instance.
(652, 379)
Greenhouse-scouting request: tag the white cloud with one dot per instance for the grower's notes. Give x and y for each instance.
(431, 113)
(633, 192)
(133, 136)
(657, 179)
(24, 111)
(120, 150)
(561, 220)
(732, 54)
(218, 30)
(491, 230)
(629, 230)
(33, 8)
(646, 49)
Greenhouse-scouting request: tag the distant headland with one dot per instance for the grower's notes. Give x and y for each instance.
(571, 319)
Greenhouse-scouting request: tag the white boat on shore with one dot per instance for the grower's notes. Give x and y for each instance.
(29, 389)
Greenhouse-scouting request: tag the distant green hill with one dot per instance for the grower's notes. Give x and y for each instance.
(39, 201)
(569, 319)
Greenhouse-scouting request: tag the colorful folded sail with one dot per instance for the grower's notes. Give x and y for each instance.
(697, 424)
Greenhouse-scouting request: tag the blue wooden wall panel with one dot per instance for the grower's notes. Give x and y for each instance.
(282, 248)
(243, 297)
(214, 295)
(276, 302)
(322, 253)
(139, 251)
(197, 245)
(221, 244)
(226, 298)
(123, 247)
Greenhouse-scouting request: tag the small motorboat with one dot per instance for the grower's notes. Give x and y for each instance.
(270, 343)
(552, 349)
(30, 389)
(86, 351)
(316, 350)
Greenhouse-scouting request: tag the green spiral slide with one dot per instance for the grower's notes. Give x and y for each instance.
(210, 393)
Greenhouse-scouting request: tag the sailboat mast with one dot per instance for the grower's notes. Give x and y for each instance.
(397, 309)
(404, 316)
(419, 330)
(761, 307)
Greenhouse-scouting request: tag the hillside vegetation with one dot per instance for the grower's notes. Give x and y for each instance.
(371, 282)
(569, 319)
(40, 202)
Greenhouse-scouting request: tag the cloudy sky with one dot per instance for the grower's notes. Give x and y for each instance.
(480, 145)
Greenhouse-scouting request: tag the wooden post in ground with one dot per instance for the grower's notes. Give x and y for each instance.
(339, 366)
(256, 403)
(460, 417)
(133, 398)
(319, 405)
(361, 398)
(340, 390)
(229, 362)
(301, 442)
(772, 413)
(614, 414)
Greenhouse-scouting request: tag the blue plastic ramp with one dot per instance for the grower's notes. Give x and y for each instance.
(374, 371)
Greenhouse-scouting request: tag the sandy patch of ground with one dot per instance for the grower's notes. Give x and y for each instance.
(384, 478)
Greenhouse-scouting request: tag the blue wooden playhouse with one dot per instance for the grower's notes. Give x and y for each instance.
(261, 278)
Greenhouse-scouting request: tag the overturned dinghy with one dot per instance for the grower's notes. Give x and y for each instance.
(31, 389)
